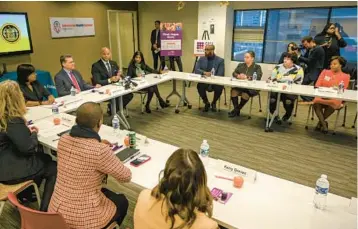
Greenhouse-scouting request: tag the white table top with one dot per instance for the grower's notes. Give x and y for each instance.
(37, 113)
(348, 95)
(270, 202)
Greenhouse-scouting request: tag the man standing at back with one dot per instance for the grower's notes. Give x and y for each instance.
(106, 71)
(205, 66)
(68, 77)
(314, 62)
(84, 160)
(155, 41)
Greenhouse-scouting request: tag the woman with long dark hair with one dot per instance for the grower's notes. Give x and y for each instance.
(138, 68)
(34, 92)
(182, 198)
(331, 40)
(292, 47)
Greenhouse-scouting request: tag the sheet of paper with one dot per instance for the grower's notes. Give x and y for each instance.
(48, 128)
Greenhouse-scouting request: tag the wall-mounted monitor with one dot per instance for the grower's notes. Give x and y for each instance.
(15, 37)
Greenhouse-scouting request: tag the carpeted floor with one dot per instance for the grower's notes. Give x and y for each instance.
(290, 152)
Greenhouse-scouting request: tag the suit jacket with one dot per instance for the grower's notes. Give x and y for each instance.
(148, 214)
(314, 62)
(64, 83)
(242, 68)
(202, 64)
(19, 157)
(81, 166)
(100, 75)
(39, 92)
(152, 39)
(132, 70)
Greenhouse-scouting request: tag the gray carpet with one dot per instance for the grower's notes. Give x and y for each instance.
(290, 152)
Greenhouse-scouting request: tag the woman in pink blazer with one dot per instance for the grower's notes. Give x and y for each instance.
(329, 78)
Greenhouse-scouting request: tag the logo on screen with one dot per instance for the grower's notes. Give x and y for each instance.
(10, 33)
(57, 26)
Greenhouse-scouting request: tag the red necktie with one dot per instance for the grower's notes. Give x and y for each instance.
(74, 81)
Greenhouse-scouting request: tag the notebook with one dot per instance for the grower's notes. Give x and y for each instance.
(127, 154)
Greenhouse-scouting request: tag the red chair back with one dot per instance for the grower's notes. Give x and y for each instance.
(32, 219)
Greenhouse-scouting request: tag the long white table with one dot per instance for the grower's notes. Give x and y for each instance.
(305, 90)
(269, 202)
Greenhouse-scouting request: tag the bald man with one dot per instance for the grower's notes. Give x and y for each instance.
(84, 159)
(106, 71)
(204, 66)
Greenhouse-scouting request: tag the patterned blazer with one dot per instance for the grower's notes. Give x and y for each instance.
(82, 165)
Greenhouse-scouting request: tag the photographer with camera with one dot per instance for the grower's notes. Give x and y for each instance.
(292, 47)
(314, 62)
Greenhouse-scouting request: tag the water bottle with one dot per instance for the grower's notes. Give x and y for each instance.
(55, 109)
(165, 68)
(212, 71)
(115, 125)
(289, 83)
(204, 152)
(341, 87)
(254, 77)
(73, 91)
(322, 187)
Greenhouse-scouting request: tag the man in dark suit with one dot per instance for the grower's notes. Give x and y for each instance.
(204, 66)
(314, 62)
(155, 41)
(68, 77)
(106, 71)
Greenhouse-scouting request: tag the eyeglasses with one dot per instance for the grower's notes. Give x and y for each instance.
(208, 49)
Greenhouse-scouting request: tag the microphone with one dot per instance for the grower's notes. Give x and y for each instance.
(128, 82)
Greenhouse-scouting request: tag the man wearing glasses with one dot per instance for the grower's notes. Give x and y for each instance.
(207, 66)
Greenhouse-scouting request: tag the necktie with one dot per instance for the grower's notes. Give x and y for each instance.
(74, 82)
(109, 68)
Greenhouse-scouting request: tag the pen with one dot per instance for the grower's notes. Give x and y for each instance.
(55, 139)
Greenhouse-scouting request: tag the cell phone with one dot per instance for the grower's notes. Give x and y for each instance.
(140, 160)
(116, 147)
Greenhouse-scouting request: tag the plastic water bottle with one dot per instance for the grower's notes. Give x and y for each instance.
(254, 77)
(212, 72)
(341, 87)
(166, 68)
(289, 83)
(73, 91)
(204, 152)
(322, 187)
(55, 109)
(115, 125)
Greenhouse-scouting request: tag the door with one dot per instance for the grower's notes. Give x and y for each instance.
(123, 36)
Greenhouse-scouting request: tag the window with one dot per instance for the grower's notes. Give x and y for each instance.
(268, 32)
(285, 26)
(248, 33)
(346, 19)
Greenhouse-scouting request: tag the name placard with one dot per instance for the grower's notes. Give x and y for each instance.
(194, 75)
(116, 91)
(237, 170)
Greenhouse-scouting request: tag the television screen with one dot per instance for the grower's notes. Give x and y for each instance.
(15, 35)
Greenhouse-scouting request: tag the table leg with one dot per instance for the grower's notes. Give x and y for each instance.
(183, 99)
(122, 120)
(174, 92)
(276, 113)
(121, 113)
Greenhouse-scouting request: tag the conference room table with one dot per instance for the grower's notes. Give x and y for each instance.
(110, 92)
(267, 202)
(272, 87)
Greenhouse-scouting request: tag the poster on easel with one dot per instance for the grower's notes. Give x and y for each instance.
(199, 46)
(171, 39)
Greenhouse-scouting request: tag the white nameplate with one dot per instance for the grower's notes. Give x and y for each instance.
(272, 85)
(162, 75)
(326, 90)
(74, 101)
(237, 170)
(194, 75)
(116, 91)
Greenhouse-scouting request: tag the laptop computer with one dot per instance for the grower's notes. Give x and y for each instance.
(127, 154)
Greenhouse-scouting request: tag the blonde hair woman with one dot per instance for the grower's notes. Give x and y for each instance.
(181, 200)
(20, 159)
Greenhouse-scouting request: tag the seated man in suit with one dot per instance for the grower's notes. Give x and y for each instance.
(106, 71)
(68, 77)
(204, 66)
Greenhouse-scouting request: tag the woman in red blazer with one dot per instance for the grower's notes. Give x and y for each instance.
(83, 162)
(329, 78)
